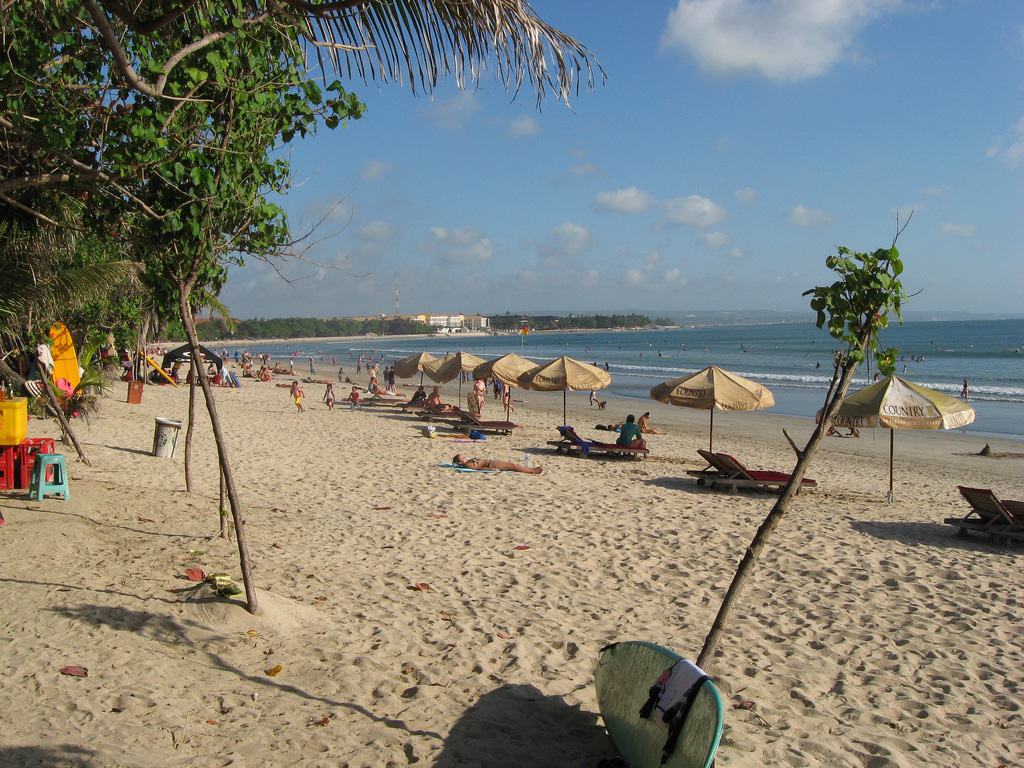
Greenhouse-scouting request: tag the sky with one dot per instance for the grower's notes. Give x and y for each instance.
(731, 147)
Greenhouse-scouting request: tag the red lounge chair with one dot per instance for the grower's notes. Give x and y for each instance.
(999, 517)
(733, 475)
(572, 443)
(715, 469)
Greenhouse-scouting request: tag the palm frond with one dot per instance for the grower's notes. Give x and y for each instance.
(419, 41)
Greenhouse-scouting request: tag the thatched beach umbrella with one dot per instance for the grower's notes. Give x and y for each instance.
(714, 389)
(507, 369)
(564, 374)
(453, 366)
(409, 366)
(896, 403)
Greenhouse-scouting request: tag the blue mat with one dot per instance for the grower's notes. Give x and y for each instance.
(457, 468)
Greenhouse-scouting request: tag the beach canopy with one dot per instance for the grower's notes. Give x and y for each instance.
(714, 389)
(896, 403)
(506, 369)
(450, 367)
(564, 374)
(409, 366)
(183, 354)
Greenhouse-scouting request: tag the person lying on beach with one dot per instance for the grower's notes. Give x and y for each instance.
(461, 460)
(644, 422)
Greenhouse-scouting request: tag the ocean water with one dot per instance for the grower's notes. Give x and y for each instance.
(793, 359)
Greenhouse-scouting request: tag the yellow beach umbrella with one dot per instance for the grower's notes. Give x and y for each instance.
(564, 374)
(714, 389)
(896, 403)
(453, 366)
(409, 366)
(506, 369)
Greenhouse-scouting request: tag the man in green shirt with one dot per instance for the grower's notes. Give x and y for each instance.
(629, 433)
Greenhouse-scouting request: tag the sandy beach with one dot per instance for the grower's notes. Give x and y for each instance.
(872, 636)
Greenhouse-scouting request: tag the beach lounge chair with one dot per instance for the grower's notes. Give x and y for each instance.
(465, 421)
(715, 469)
(572, 443)
(995, 516)
(732, 474)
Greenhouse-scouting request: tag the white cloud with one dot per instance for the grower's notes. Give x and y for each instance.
(628, 200)
(585, 169)
(933, 191)
(786, 40)
(376, 232)
(745, 194)
(565, 240)
(458, 246)
(375, 169)
(715, 239)
(634, 276)
(736, 253)
(452, 113)
(521, 127)
(803, 216)
(673, 276)
(958, 230)
(694, 210)
(1009, 149)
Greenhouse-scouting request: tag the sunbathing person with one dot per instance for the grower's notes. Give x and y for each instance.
(435, 404)
(461, 460)
(644, 422)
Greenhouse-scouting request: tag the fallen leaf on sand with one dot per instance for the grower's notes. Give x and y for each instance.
(74, 671)
(422, 586)
(321, 598)
(142, 519)
(323, 722)
(252, 633)
(521, 547)
(744, 704)
(195, 574)
(275, 670)
(381, 509)
(213, 722)
(503, 634)
(446, 615)
(275, 545)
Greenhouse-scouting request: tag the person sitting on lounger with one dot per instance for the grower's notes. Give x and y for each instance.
(630, 435)
(435, 403)
(419, 396)
(461, 460)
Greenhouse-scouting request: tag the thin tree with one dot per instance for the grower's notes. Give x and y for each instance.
(854, 308)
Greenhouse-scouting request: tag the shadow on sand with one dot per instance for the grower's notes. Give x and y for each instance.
(517, 725)
(60, 756)
(931, 534)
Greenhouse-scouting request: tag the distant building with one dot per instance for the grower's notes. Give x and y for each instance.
(476, 323)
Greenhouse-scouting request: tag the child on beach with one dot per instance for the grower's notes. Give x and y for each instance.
(329, 397)
(296, 393)
(354, 397)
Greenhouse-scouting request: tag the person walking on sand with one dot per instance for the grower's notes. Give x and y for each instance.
(478, 394)
(296, 393)
(964, 392)
(329, 397)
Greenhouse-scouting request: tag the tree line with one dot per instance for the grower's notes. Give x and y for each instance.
(307, 327)
(510, 322)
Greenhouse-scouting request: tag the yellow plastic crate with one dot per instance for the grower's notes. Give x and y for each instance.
(13, 421)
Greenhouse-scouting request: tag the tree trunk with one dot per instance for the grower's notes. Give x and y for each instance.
(222, 450)
(771, 522)
(59, 413)
(223, 512)
(191, 423)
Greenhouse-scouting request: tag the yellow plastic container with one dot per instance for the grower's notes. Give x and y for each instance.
(13, 421)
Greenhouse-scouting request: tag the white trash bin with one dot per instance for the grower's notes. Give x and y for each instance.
(165, 437)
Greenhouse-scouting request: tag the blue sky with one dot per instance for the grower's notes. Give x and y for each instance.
(732, 146)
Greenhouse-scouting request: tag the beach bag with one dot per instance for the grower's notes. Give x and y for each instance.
(476, 434)
(670, 699)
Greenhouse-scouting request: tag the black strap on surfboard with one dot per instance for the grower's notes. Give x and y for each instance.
(676, 718)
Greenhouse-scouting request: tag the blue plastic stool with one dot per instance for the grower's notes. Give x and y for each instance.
(40, 486)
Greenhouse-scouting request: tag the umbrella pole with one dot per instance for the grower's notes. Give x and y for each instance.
(892, 439)
(565, 419)
(711, 436)
(421, 378)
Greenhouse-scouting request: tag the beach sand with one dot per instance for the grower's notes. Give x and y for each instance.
(871, 636)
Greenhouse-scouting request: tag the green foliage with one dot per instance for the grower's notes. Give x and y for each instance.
(308, 327)
(510, 322)
(859, 304)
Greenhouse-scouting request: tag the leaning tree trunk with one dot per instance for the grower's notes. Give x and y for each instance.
(191, 422)
(222, 450)
(59, 413)
(836, 394)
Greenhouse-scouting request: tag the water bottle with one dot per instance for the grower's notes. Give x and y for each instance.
(526, 459)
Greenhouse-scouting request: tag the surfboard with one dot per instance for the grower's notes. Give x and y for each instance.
(160, 370)
(65, 360)
(625, 673)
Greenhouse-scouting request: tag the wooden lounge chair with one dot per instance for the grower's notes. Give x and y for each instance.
(994, 516)
(467, 421)
(572, 443)
(715, 469)
(734, 475)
